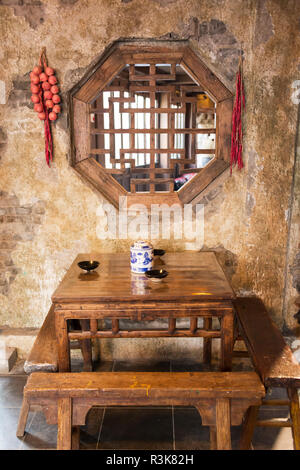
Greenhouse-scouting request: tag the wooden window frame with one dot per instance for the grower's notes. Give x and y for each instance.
(110, 64)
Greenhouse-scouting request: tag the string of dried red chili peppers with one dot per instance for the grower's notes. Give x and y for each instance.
(236, 154)
(45, 98)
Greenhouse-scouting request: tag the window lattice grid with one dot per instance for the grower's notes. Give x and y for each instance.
(144, 128)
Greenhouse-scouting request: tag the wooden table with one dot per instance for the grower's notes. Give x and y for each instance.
(195, 287)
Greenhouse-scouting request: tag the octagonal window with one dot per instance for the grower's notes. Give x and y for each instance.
(151, 120)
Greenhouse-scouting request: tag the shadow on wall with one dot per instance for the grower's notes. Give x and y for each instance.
(226, 258)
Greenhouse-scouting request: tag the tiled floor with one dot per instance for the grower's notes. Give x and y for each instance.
(154, 428)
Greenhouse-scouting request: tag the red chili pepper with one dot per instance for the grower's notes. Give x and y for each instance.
(236, 154)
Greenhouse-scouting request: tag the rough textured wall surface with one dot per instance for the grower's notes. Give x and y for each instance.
(247, 216)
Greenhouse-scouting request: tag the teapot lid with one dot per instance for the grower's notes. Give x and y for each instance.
(141, 245)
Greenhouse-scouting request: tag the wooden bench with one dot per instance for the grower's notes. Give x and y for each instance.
(273, 361)
(43, 357)
(221, 398)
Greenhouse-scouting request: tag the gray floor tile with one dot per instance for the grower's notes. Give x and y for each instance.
(98, 366)
(89, 434)
(276, 394)
(189, 366)
(137, 428)
(272, 439)
(103, 366)
(40, 434)
(11, 391)
(142, 366)
(266, 438)
(8, 426)
(18, 369)
(269, 412)
(189, 432)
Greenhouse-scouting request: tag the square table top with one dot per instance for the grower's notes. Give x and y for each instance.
(193, 276)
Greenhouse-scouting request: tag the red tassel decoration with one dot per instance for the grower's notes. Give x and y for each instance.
(236, 154)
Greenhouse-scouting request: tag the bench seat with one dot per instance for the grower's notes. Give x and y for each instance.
(221, 398)
(273, 361)
(271, 356)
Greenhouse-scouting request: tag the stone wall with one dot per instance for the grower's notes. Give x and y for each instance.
(48, 215)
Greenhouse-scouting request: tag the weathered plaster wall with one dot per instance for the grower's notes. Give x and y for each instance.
(292, 269)
(246, 215)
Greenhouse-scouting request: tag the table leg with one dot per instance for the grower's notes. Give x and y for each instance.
(223, 424)
(86, 347)
(249, 424)
(295, 416)
(23, 418)
(61, 327)
(227, 340)
(207, 323)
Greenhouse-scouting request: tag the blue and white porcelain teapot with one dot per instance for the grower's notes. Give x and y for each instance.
(141, 256)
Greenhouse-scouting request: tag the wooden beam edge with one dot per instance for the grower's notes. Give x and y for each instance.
(92, 171)
(191, 190)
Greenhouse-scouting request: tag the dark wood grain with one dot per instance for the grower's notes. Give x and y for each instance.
(103, 75)
(223, 124)
(295, 415)
(205, 77)
(198, 183)
(272, 357)
(97, 176)
(192, 276)
(23, 418)
(145, 384)
(81, 130)
(249, 424)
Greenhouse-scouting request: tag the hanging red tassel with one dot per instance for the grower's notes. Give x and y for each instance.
(45, 97)
(236, 154)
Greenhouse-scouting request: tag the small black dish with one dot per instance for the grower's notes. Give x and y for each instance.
(88, 265)
(158, 252)
(156, 274)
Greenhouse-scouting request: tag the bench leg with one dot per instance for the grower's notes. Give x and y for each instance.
(86, 348)
(248, 427)
(223, 424)
(64, 424)
(227, 341)
(64, 360)
(23, 418)
(295, 416)
(207, 342)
